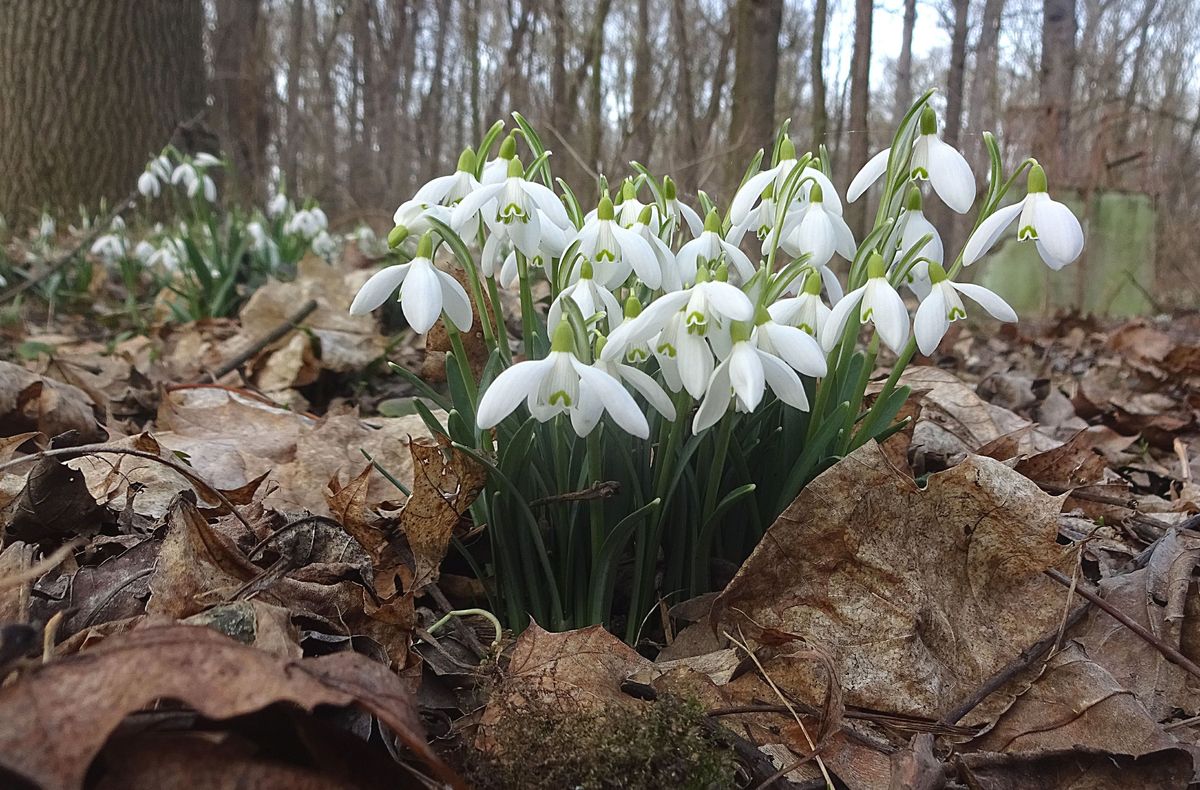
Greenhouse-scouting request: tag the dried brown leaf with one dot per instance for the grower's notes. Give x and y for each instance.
(81, 699)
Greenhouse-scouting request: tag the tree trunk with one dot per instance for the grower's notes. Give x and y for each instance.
(820, 115)
(90, 91)
(904, 88)
(1059, 27)
(756, 72)
(860, 97)
(641, 133)
(242, 92)
(956, 78)
(688, 146)
(981, 113)
(295, 64)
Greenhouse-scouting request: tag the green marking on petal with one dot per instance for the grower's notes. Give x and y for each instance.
(956, 313)
(560, 397)
(1026, 233)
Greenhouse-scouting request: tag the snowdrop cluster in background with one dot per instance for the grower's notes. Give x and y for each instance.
(712, 361)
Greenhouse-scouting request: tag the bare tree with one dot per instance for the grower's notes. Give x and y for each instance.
(68, 137)
(820, 114)
(956, 77)
(904, 86)
(1057, 79)
(860, 98)
(756, 71)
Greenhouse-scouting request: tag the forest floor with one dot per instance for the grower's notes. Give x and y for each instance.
(1002, 595)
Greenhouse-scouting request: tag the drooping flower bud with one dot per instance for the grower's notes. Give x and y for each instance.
(396, 236)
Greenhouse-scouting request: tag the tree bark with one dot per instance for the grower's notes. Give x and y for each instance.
(643, 82)
(955, 79)
(904, 88)
(242, 92)
(756, 73)
(820, 114)
(295, 64)
(982, 106)
(90, 91)
(860, 97)
(1056, 88)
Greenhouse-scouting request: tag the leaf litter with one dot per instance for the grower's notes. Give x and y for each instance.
(265, 619)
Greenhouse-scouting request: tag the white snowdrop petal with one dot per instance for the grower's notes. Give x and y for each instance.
(950, 175)
(421, 296)
(507, 390)
(988, 300)
(376, 290)
(746, 374)
(649, 389)
(989, 232)
(695, 362)
(616, 399)
(875, 167)
(931, 324)
(784, 382)
(455, 302)
(749, 194)
(1058, 230)
(716, 401)
(888, 313)
(831, 333)
(728, 300)
(797, 348)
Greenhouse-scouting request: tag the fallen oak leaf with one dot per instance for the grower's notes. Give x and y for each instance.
(445, 483)
(82, 699)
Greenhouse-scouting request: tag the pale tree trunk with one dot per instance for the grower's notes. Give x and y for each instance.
(904, 86)
(242, 92)
(90, 91)
(756, 72)
(820, 114)
(1056, 88)
(956, 78)
(641, 131)
(860, 97)
(982, 105)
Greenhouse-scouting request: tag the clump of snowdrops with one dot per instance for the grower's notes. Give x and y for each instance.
(209, 257)
(710, 361)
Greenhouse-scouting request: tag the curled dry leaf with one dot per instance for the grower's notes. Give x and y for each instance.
(446, 482)
(82, 699)
(1075, 703)
(54, 506)
(570, 671)
(1162, 598)
(29, 402)
(919, 595)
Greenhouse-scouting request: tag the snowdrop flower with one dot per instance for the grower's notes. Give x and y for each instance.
(324, 245)
(1054, 229)
(425, 292)
(519, 205)
(143, 251)
(561, 384)
(684, 322)
(277, 206)
(769, 183)
(148, 184)
(204, 160)
(877, 303)
(669, 270)
(630, 209)
(614, 251)
(449, 190)
(203, 185)
(591, 297)
(496, 170)
(678, 210)
(185, 174)
(307, 223)
(710, 247)
(167, 257)
(412, 218)
(818, 230)
(47, 226)
(649, 389)
(913, 228)
(943, 306)
(806, 312)
(750, 368)
(932, 160)
(109, 248)
(160, 166)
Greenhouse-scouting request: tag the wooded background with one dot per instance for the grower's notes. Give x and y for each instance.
(357, 102)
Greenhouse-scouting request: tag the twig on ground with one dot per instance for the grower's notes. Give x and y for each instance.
(1168, 652)
(602, 490)
(1014, 667)
(281, 331)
